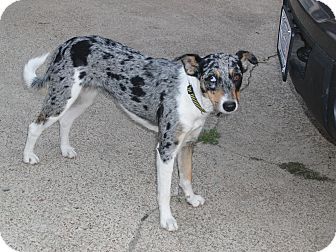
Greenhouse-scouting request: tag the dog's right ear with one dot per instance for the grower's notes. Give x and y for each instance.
(191, 63)
(246, 57)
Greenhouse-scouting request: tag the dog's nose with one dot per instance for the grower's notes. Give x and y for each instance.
(229, 106)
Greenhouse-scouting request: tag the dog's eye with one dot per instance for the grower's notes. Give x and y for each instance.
(213, 79)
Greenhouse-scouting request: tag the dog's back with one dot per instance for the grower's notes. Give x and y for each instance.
(137, 82)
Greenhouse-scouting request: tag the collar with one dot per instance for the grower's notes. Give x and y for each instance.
(194, 99)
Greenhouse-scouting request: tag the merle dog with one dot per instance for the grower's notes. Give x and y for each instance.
(171, 97)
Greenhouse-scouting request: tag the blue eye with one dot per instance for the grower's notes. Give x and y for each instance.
(213, 79)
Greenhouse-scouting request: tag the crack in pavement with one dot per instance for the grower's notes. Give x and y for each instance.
(132, 244)
(302, 171)
(263, 61)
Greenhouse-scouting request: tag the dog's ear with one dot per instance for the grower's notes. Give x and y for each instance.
(245, 57)
(191, 63)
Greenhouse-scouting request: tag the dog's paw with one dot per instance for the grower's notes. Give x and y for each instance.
(30, 158)
(68, 152)
(169, 223)
(195, 200)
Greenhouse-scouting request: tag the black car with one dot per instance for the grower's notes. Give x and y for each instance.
(307, 50)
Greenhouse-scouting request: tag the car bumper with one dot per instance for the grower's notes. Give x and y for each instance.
(314, 76)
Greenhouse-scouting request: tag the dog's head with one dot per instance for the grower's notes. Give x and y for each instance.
(220, 76)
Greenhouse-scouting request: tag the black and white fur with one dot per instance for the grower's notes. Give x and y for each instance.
(152, 91)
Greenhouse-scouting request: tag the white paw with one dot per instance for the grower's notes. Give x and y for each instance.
(30, 158)
(169, 223)
(195, 200)
(68, 152)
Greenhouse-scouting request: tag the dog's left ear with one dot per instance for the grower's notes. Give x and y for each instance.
(191, 63)
(245, 57)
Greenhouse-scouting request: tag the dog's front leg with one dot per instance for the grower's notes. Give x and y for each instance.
(184, 163)
(164, 176)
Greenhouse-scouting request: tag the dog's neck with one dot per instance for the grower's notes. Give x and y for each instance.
(197, 96)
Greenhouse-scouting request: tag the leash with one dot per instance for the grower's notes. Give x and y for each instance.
(194, 99)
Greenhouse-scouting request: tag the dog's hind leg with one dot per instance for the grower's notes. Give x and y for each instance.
(184, 163)
(35, 130)
(54, 108)
(84, 100)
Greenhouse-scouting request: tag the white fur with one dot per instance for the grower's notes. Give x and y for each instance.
(141, 121)
(164, 176)
(84, 100)
(192, 198)
(29, 72)
(75, 90)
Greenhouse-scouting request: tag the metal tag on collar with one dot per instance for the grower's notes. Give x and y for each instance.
(194, 99)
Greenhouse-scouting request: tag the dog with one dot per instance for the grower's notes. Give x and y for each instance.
(170, 97)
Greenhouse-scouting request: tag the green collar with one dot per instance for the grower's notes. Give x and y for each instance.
(194, 99)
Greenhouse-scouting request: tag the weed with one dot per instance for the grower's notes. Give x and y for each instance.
(210, 136)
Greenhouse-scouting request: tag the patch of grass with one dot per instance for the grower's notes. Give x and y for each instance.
(210, 136)
(299, 169)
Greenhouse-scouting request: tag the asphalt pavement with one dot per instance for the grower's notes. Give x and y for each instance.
(105, 200)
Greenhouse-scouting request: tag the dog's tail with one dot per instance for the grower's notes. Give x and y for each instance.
(29, 72)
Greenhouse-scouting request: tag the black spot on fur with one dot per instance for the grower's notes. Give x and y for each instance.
(123, 62)
(82, 75)
(53, 98)
(136, 99)
(162, 95)
(137, 81)
(167, 145)
(62, 78)
(66, 86)
(159, 112)
(109, 42)
(165, 135)
(123, 88)
(168, 126)
(79, 53)
(108, 56)
(58, 56)
(137, 91)
(115, 76)
(176, 142)
(145, 107)
(148, 74)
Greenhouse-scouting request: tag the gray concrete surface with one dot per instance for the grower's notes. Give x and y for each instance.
(106, 199)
